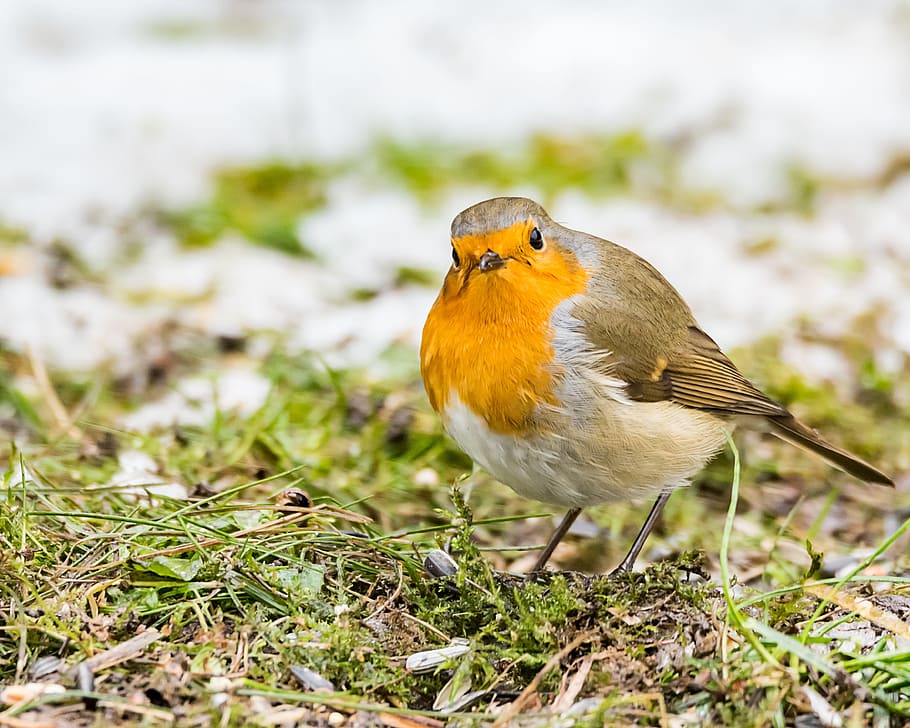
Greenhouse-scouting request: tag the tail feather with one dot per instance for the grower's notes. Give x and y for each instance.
(796, 433)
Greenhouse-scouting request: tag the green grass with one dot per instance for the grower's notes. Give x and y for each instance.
(11, 235)
(600, 165)
(735, 622)
(265, 202)
(242, 588)
(262, 203)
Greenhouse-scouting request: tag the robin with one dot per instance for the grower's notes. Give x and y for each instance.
(572, 371)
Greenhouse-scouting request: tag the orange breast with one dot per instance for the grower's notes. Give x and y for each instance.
(488, 341)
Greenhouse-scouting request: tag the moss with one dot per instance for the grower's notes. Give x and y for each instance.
(804, 187)
(12, 235)
(761, 247)
(409, 276)
(176, 30)
(263, 203)
(597, 164)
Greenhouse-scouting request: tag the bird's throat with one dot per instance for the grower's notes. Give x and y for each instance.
(490, 344)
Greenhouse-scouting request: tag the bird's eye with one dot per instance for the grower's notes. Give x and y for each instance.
(456, 261)
(536, 239)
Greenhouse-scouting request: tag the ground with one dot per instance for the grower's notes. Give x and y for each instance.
(299, 539)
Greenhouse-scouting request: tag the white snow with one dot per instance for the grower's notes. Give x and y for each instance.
(103, 108)
(194, 401)
(138, 474)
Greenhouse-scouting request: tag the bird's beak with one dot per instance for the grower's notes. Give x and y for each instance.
(490, 261)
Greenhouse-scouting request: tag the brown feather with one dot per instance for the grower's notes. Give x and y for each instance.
(701, 376)
(669, 358)
(795, 432)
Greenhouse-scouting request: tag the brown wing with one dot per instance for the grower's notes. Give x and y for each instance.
(652, 341)
(701, 376)
(670, 358)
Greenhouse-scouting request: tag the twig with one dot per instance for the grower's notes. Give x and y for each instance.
(566, 698)
(9, 721)
(515, 707)
(406, 721)
(863, 607)
(119, 653)
(426, 625)
(381, 608)
(61, 416)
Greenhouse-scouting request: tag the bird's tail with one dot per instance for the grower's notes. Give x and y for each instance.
(795, 432)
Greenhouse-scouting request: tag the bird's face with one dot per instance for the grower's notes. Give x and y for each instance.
(488, 337)
(504, 251)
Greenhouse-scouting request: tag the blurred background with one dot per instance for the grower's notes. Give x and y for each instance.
(281, 176)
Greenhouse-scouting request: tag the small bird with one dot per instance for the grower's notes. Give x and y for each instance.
(569, 369)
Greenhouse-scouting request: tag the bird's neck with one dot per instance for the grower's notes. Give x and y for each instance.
(490, 345)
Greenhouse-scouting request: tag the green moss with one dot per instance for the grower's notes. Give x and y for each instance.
(804, 189)
(263, 203)
(12, 235)
(761, 246)
(850, 267)
(594, 163)
(176, 30)
(409, 276)
(363, 295)
(799, 192)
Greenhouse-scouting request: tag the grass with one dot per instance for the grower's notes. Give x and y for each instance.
(598, 164)
(241, 588)
(265, 202)
(290, 545)
(262, 203)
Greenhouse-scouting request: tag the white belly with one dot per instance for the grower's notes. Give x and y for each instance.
(615, 451)
(529, 470)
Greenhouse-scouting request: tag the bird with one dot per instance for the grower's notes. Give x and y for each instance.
(571, 370)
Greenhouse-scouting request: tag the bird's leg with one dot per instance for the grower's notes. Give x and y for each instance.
(561, 530)
(627, 563)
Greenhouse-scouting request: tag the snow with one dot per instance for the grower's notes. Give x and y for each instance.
(138, 475)
(102, 109)
(195, 400)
